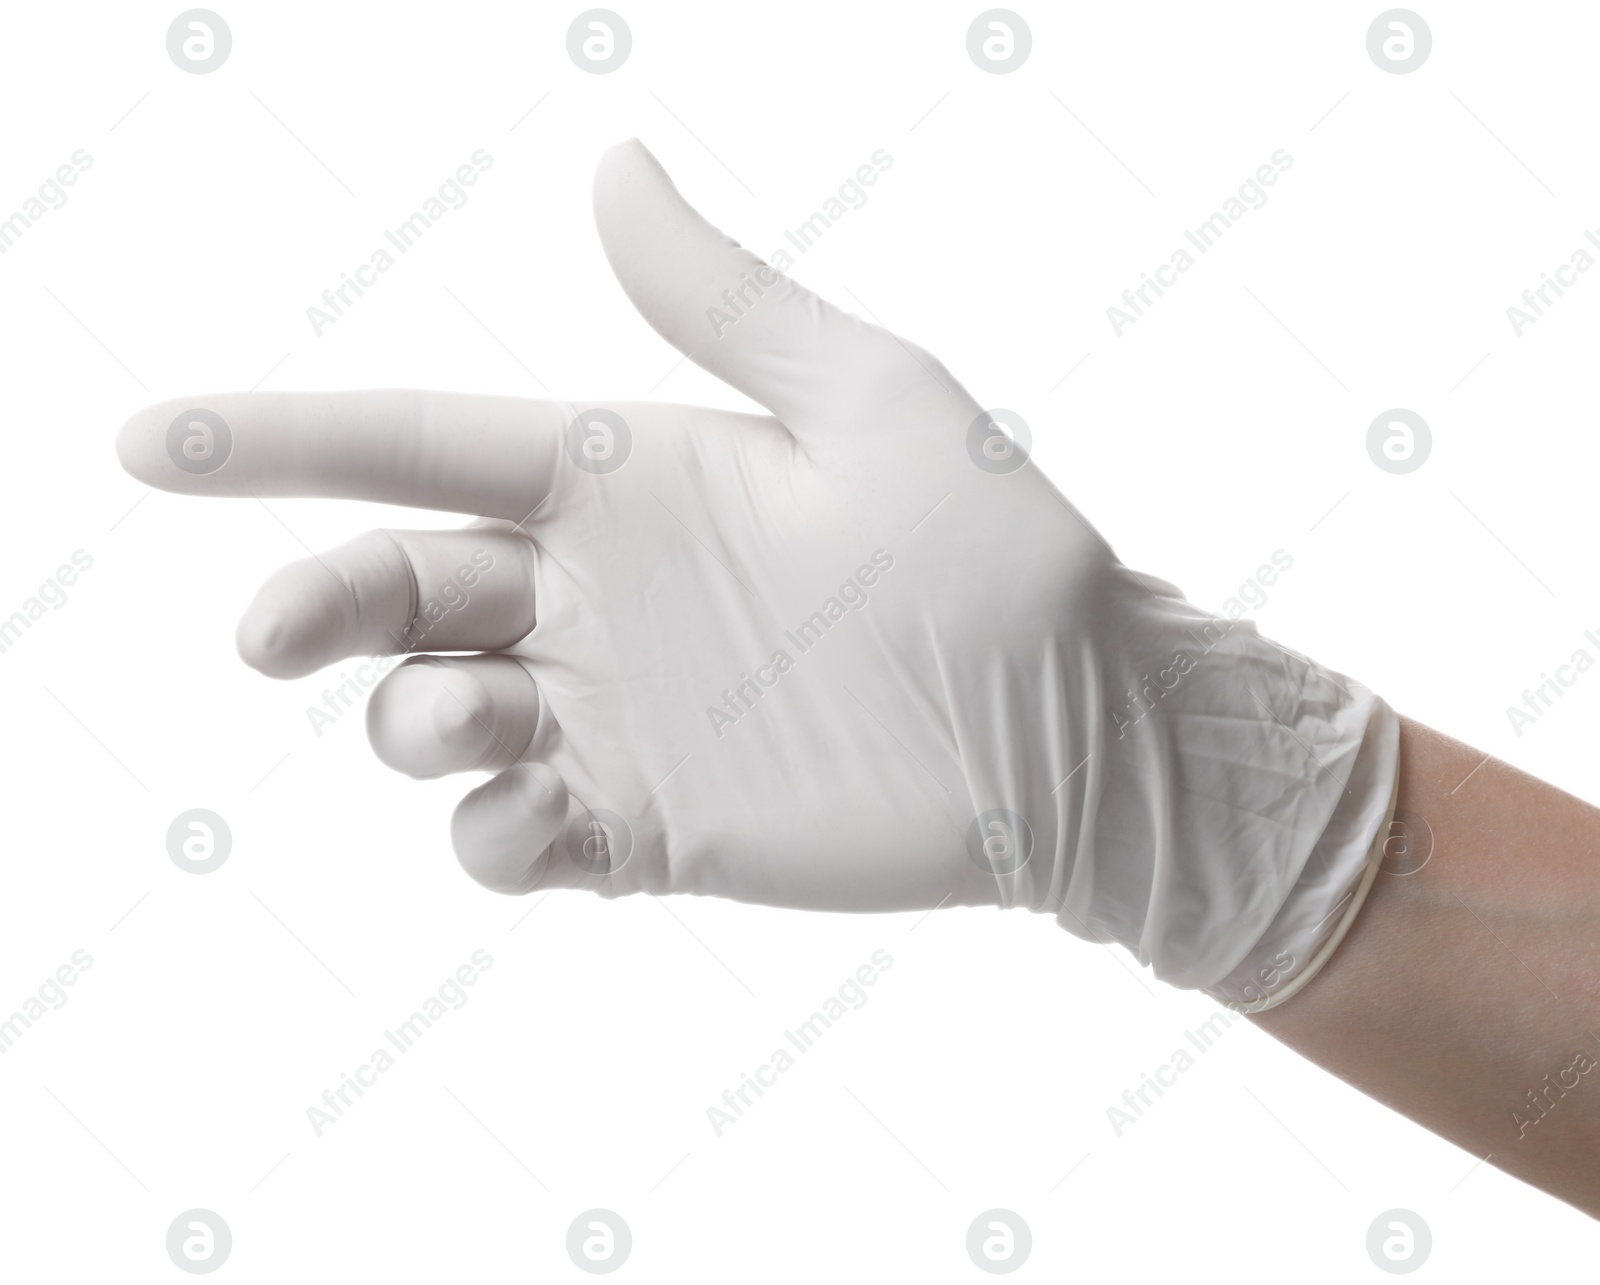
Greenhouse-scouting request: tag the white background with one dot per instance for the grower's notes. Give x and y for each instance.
(1224, 425)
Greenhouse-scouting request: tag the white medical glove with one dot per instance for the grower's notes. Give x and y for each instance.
(859, 654)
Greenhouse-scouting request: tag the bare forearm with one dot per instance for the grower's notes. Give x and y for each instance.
(1467, 994)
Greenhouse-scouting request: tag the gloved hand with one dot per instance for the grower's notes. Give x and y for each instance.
(859, 654)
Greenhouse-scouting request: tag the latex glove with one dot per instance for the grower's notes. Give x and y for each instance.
(856, 655)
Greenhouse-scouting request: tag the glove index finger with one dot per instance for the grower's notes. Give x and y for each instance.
(493, 457)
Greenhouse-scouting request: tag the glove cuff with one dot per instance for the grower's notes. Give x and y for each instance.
(1331, 890)
(1226, 820)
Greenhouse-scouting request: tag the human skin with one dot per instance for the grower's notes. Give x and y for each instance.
(1465, 986)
